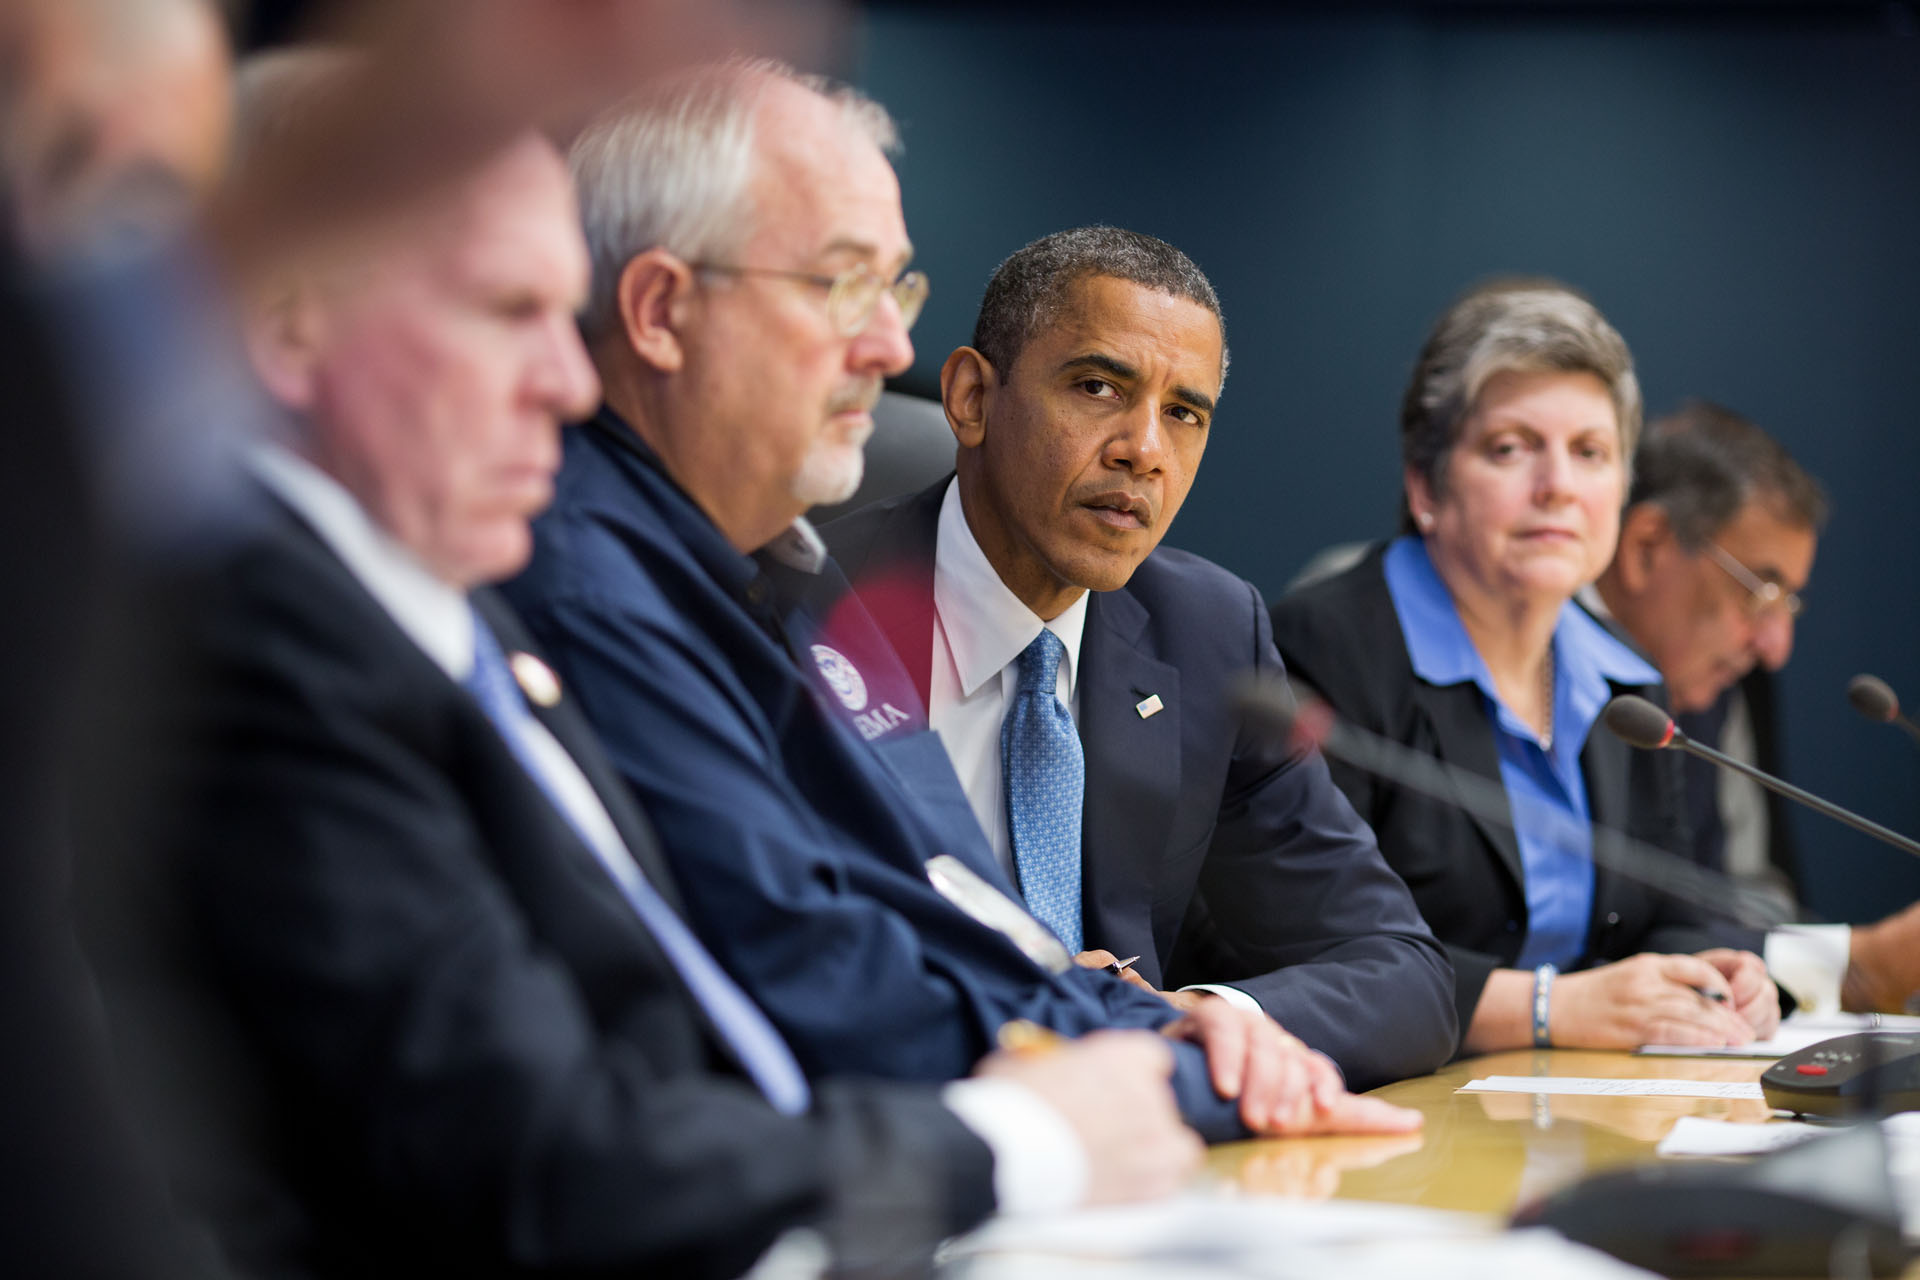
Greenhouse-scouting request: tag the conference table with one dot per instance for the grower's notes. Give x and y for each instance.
(1491, 1152)
(1481, 1153)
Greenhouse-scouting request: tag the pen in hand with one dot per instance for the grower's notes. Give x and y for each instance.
(1708, 993)
(1119, 967)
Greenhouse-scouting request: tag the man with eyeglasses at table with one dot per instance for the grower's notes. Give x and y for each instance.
(749, 296)
(1715, 547)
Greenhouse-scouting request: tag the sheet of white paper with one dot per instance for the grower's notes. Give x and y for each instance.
(1698, 1136)
(1695, 1136)
(1604, 1087)
(1796, 1033)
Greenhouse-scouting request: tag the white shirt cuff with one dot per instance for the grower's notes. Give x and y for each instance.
(1232, 995)
(1810, 961)
(1039, 1165)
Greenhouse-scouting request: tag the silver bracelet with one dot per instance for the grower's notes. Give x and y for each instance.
(1542, 989)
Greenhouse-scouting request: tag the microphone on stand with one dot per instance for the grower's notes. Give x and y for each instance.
(1873, 698)
(1642, 724)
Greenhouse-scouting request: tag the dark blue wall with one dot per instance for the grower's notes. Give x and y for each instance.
(1739, 193)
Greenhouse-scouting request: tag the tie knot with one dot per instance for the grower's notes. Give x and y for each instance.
(1040, 664)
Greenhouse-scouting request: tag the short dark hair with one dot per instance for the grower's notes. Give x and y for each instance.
(1029, 289)
(1704, 463)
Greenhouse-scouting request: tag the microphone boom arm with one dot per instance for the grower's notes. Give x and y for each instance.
(1865, 825)
(1310, 720)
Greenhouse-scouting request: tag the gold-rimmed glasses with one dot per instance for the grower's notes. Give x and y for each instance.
(852, 296)
(1762, 596)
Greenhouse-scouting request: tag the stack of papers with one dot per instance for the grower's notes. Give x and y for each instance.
(1795, 1033)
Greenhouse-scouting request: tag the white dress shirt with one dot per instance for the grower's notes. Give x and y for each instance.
(980, 629)
(1038, 1162)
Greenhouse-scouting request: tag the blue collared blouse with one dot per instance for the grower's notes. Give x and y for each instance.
(1545, 789)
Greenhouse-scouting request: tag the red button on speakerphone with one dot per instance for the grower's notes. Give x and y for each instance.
(1811, 1069)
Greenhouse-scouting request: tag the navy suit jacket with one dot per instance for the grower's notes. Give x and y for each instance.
(464, 1053)
(771, 735)
(1209, 851)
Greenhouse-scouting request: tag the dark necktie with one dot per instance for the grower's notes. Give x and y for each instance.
(754, 1041)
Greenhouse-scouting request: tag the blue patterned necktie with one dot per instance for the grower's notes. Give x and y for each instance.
(755, 1043)
(1045, 774)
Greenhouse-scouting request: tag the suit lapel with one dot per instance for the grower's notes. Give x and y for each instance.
(1606, 766)
(1462, 738)
(1133, 763)
(1605, 763)
(894, 577)
(569, 727)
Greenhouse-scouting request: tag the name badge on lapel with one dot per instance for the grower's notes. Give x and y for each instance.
(535, 678)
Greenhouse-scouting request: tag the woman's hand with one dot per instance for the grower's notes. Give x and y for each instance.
(1659, 999)
(1755, 998)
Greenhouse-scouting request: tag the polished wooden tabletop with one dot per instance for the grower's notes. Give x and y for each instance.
(1491, 1152)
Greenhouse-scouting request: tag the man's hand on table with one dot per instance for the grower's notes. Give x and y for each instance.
(1883, 964)
(1111, 1087)
(1284, 1087)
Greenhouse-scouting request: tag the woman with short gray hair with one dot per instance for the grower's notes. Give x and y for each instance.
(1460, 639)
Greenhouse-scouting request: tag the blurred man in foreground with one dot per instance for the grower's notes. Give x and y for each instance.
(436, 939)
(750, 294)
(114, 125)
(1196, 843)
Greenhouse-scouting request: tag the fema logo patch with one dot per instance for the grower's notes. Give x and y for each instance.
(841, 677)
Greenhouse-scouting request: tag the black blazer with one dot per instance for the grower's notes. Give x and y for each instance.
(468, 1055)
(1342, 637)
(1208, 851)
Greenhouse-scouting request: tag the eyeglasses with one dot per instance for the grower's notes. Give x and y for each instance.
(1762, 596)
(852, 296)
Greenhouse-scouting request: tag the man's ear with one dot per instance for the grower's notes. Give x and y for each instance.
(653, 296)
(967, 384)
(1645, 535)
(284, 335)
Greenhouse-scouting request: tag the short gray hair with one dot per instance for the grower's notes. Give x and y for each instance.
(1522, 325)
(1703, 464)
(672, 168)
(1030, 288)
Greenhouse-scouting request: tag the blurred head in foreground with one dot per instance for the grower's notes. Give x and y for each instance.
(429, 361)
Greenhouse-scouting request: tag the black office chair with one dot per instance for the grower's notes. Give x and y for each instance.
(912, 446)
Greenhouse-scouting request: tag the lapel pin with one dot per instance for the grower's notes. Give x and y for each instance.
(536, 678)
(1149, 705)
